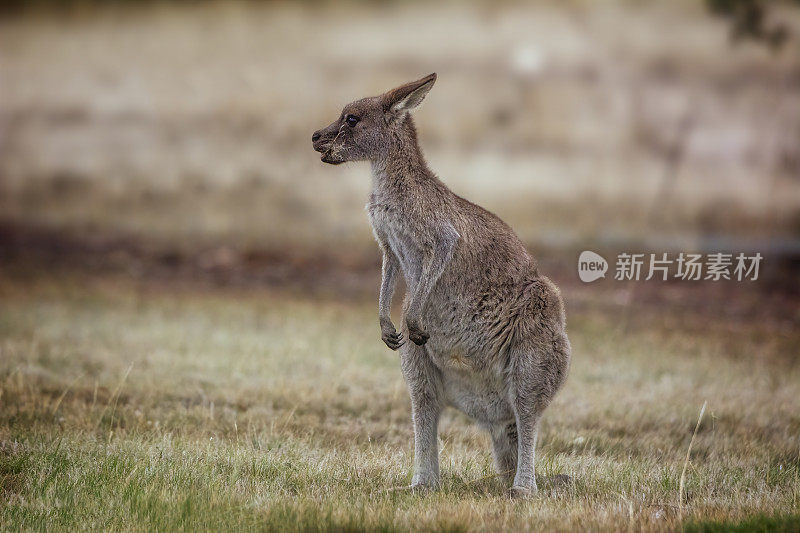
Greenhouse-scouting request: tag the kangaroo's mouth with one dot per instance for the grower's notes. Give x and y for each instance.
(328, 155)
(328, 146)
(327, 151)
(326, 158)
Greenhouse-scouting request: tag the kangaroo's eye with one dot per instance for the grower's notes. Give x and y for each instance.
(351, 120)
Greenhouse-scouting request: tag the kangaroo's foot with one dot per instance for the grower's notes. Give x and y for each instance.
(521, 493)
(425, 481)
(423, 488)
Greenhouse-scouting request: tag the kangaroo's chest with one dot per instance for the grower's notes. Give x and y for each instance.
(392, 230)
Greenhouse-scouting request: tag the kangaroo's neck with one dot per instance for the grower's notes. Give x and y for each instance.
(403, 168)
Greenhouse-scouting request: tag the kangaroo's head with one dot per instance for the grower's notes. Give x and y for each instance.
(368, 129)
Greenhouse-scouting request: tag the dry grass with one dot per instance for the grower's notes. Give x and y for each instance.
(142, 406)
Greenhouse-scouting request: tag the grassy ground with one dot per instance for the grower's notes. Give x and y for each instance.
(142, 406)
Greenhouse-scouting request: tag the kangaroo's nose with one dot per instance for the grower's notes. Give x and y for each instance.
(316, 136)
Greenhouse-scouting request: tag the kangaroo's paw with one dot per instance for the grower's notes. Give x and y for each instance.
(416, 334)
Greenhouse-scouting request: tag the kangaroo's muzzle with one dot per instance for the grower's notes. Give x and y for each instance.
(323, 142)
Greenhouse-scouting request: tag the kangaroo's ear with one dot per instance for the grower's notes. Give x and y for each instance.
(403, 99)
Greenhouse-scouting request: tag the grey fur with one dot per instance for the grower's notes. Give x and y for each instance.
(487, 330)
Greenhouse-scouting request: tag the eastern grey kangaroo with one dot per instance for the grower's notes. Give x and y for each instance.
(487, 330)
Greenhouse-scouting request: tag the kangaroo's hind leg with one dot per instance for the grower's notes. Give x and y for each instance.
(504, 448)
(538, 370)
(425, 388)
(525, 476)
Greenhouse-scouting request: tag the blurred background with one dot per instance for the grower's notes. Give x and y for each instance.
(173, 138)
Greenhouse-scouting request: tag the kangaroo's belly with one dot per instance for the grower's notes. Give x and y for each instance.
(480, 396)
(464, 333)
